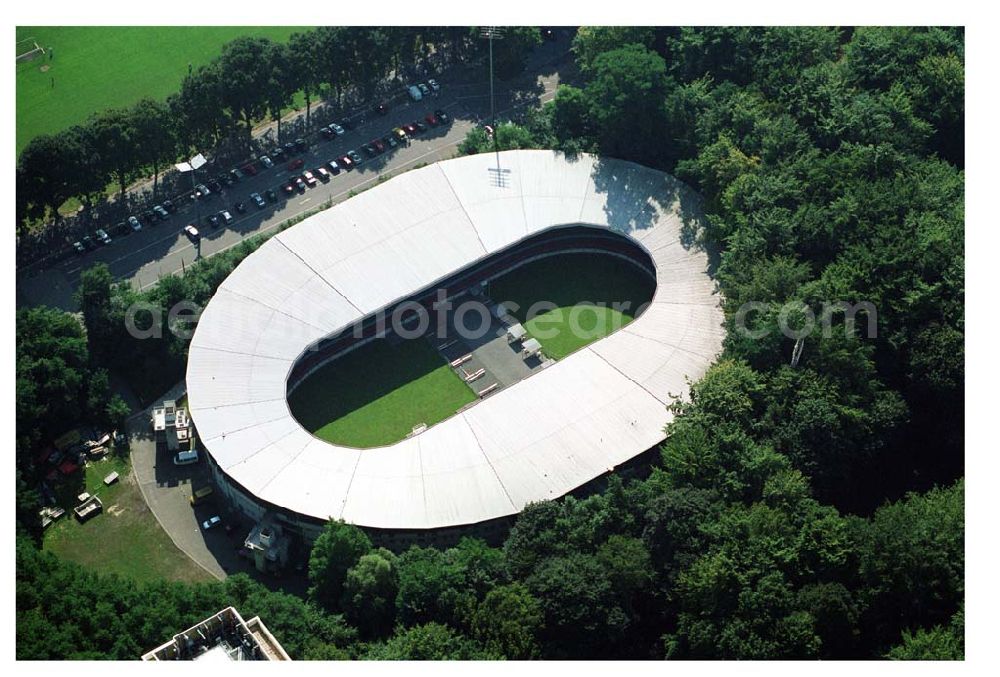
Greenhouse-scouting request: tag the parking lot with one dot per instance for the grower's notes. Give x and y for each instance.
(145, 256)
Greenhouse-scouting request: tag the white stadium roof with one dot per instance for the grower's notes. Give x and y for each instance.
(538, 439)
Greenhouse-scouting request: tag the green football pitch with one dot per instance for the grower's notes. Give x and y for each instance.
(87, 69)
(582, 290)
(376, 394)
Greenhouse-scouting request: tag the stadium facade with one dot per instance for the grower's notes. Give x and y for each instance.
(286, 310)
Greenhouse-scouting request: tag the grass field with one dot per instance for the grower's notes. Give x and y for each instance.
(125, 538)
(568, 281)
(98, 67)
(374, 395)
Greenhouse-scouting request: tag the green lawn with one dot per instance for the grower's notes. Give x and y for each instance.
(125, 538)
(98, 67)
(374, 395)
(569, 281)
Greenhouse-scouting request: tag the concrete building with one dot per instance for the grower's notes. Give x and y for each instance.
(268, 545)
(289, 308)
(222, 638)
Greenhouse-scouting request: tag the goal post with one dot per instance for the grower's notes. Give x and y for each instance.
(28, 49)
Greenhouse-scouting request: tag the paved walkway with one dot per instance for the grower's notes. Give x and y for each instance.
(167, 488)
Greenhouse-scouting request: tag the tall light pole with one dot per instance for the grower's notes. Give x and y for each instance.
(492, 33)
(190, 167)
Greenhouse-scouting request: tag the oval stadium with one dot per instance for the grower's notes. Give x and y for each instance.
(530, 430)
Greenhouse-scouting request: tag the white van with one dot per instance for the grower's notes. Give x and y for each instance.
(415, 93)
(186, 457)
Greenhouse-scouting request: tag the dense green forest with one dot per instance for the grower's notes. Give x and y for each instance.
(807, 511)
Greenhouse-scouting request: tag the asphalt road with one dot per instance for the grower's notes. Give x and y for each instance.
(144, 257)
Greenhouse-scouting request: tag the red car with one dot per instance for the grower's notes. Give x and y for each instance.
(296, 164)
(345, 162)
(289, 189)
(410, 129)
(379, 146)
(249, 169)
(431, 120)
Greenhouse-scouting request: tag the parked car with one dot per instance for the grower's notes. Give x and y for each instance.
(334, 167)
(266, 162)
(226, 217)
(296, 164)
(431, 120)
(149, 217)
(432, 83)
(410, 129)
(235, 174)
(240, 207)
(169, 206)
(211, 522)
(289, 189)
(121, 228)
(300, 185)
(213, 220)
(102, 236)
(192, 233)
(322, 174)
(369, 150)
(290, 148)
(424, 89)
(347, 162)
(249, 169)
(327, 133)
(201, 190)
(421, 127)
(355, 157)
(442, 117)
(215, 185)
(390, 141)
(161, 212)
(134, 223)
(271, 195)
(88, 242)
(414, 92)
(378, 145)
(309, 178)
(78, 246)
(301, 145)
(337, 129)
(258, 200)
(277, 155)
(399, 134)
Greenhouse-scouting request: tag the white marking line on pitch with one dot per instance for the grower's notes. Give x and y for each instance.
(275, 225)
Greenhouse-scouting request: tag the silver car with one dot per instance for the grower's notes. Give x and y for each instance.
(211, 522)
(103, 236)
(134, 223)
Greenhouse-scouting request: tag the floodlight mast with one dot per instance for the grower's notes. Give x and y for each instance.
(492, 33)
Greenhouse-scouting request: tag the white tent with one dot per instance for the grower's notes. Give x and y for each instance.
(515, 332)
(531, 347)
